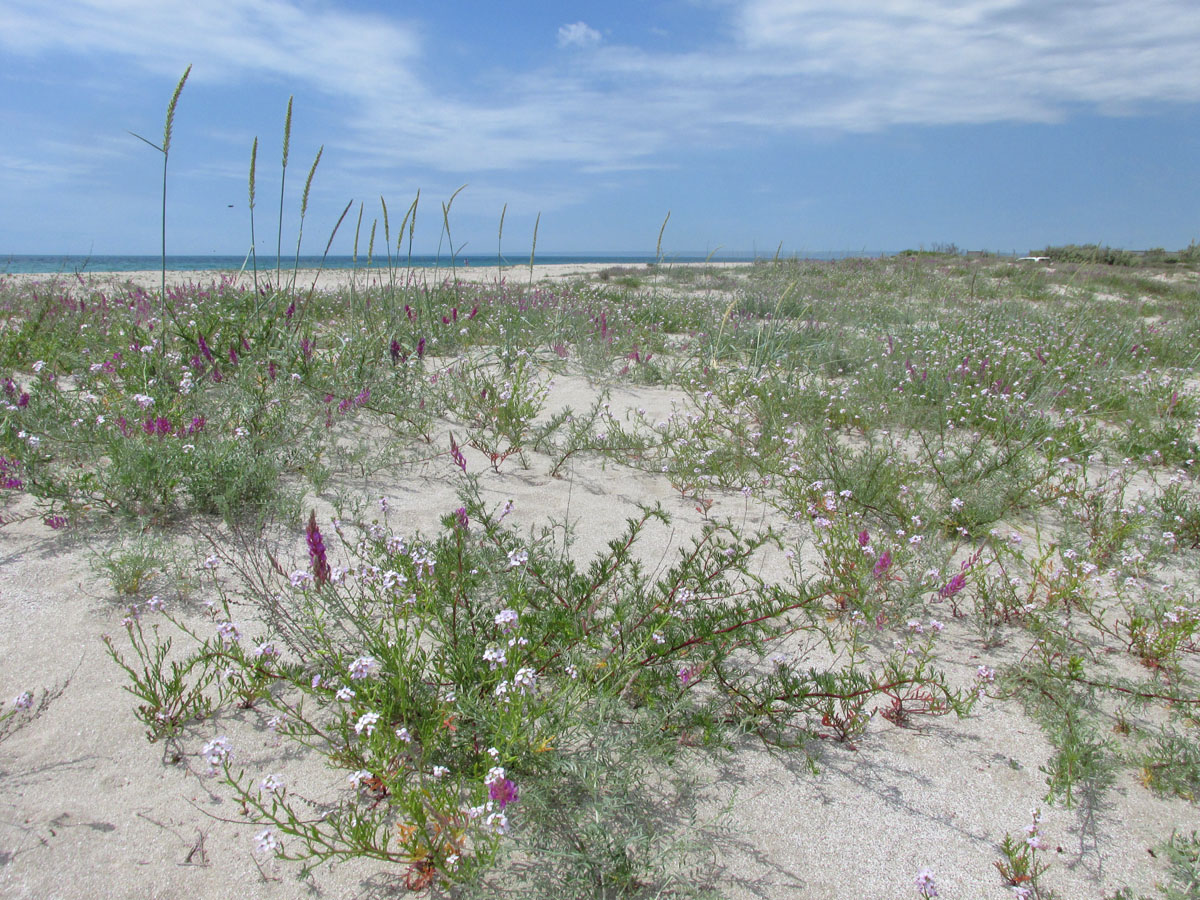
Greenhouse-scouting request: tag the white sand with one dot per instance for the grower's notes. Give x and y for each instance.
(88, 809)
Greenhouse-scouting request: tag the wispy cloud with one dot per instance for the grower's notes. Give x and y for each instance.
(781, 66)
(578, 34)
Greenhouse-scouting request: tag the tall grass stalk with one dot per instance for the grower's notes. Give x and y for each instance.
(329, 243)
(658, 252)
(450, 240)
(287, 140)
(387, 243)
(533, 248)
(303, 211)
(165, 150)
(499, 244)
(253, 244)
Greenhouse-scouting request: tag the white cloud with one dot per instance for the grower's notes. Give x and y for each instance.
(783, 66)
(578, 34)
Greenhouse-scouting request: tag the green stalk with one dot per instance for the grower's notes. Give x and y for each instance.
(533, 249)
(253, 248)
(499, 242)
(387, 243)
(165, 150)
(303, 211)
(287, 139)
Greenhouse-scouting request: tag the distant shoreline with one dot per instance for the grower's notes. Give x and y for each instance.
(70, 264)
(336, 279)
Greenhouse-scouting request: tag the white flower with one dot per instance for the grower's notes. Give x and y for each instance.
(366, 722)
(524, 679)
(345, 694)
(494, 655)
(23, 700)
(506, 619)
(357, 778)
(402, 734)
(265, 841)
(363, 667)
(517, 558)
(216, 750)
(273, 784)
(440, 772)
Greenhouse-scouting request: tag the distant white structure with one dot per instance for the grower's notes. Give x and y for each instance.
(1033, 259)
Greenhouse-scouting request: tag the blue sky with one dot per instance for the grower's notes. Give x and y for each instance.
(861, 124)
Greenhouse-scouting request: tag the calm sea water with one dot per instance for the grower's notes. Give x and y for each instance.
(212, 262)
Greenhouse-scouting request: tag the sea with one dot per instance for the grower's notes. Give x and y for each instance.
(70, 265)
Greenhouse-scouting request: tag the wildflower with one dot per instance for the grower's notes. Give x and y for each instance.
(357, 778)
(953, 586)
(215, 751)
(497, 822)
(500, 788)
(266, 650)
(273, 784)
(366, 722)
(23, 700)
(494, 655)
(155, 604)
(517, 558)
(56, 522)
(266, 842)
(525, 679)
(228, 631)
(864, 538)
(882, 564)
(460, 518)
(506, 619)
(403, 734)
(363, 667)
(456, 454)
(925, 884)
(299, 578)
(316, 550)
(345, 694)
(957, 503)
(440, 772)
(143, 400)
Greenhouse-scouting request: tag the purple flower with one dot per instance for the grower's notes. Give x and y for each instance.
(503, 792)
(460, 518)
(864, 538)
(204, 348)
(882, 564)
(421, 348)
(316, 550)
(500, 788)
(456, 454)
(394, 349)
(924, 882)
(953, 586)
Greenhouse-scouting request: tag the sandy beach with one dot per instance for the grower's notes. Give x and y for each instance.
(89, 808)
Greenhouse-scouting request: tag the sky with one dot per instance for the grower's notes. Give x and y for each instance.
(812, 126)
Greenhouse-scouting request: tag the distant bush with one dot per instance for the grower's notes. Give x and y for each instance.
(1112, 256)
